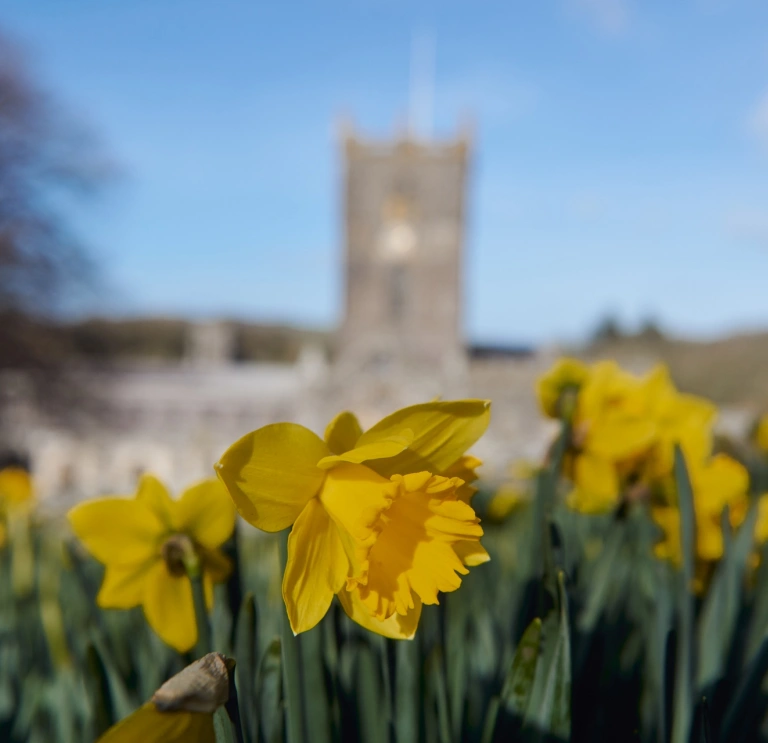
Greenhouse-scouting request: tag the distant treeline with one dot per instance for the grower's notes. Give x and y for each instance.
(169, 339)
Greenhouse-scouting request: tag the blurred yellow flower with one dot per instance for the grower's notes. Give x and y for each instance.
(684, 420)
(609, 427)
(147, 544)
(761, 526)
(505, 500)
(16, 493)
(624, 430)
(377, 516)
(566, 376)
(513, 492)
(716, 483)
(15, 486)
(761, 433)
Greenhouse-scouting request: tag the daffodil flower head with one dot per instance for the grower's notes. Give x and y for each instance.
(681, 420)
(717, 483)
(558, 389)
(378, 517)
(16, 494)
(761, 526)
(150, 544)
(16, 487)
(760, 433)
(504, 501)
(609, 427)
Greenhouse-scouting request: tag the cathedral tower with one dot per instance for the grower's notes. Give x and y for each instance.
(404, 222)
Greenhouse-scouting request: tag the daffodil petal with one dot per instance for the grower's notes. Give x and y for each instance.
(216, 569)
(668, 520)
(169, 609)
(719, 482)
(597, 484)
(123, 586)
(355, 497)
(396, 627)
(208, 591)
(206, 513)
(15, 485)
(709, 539)
(316, 569)
(342, 432)
(389, 447)
(148, 725)
(761, 526)
(464, 468)
(272, 473)
(117, 530)
(442, 432)
(565, 373)
(620, 437)
(155, 495)
(471, 554)
(217, 565)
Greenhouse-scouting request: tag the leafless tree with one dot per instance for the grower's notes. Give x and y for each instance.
(46, 161)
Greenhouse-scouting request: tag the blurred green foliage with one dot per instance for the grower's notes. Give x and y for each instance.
(574, 631)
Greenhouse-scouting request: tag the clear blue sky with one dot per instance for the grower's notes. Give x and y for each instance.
(621, 162)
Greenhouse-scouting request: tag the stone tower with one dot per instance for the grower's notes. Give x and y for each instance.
(404, 220)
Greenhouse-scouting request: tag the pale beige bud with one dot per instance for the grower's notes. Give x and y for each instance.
(202, 686)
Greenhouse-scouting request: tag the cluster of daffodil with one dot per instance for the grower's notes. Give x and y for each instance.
(622, 432)
(380, 518)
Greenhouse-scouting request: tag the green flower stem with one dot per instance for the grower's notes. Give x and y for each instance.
(198, 599)
(22, 555)
(407, 691)
(291, 665)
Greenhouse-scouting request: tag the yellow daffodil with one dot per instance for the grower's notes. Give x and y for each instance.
(15, 486)
(146, 544)
(760, 434)
(505, 500)
(609, 427)
(761, 526)
(624, 429)
(683, 420)
(512, 493)
(719, 482)
(378, 518)
(565, 377)
(16, 494)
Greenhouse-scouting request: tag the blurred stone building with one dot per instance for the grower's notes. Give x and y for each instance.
(400, 342)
